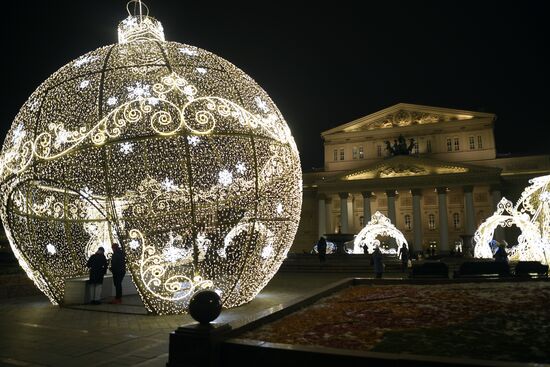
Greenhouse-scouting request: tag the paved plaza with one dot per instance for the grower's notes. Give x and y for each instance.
(35, 333)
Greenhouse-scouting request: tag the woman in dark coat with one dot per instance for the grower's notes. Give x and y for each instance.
(98, 267)
(118, 268)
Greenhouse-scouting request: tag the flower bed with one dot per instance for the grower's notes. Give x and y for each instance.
(497, 321)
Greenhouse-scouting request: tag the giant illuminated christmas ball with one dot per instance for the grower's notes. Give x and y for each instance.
(164, 148)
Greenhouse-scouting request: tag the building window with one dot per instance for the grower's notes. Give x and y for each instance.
(379, 151)
(481, 197)
(415, 148)
(354, 153)
(431, 222)
(408, 222)
(456, 220)
(479, 142)
(335, 154)
(457, 144)
(449, 145)
(428, 146)
(342, 154)
(472, 142)
(361, 153)
(361, 221)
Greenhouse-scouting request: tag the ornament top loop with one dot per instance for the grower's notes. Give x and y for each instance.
(138, 7)
(139, 26)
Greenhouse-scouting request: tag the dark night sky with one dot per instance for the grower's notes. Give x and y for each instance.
(323, 65)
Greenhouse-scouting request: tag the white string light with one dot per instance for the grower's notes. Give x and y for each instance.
(166, 149)
(379, 225)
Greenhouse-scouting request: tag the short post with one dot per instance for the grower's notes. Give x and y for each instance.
(198, 344)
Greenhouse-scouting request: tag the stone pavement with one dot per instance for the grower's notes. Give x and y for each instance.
(35, 333)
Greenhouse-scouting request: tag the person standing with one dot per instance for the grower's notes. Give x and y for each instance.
(322, 249)
(377, 262)
(501, 255)
(118, 268)
(98, 267)
(404, 255)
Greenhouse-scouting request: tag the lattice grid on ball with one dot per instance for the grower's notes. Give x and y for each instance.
(164, 148)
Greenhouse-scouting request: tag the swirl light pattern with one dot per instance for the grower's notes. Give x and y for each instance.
(530, 246)
(535, 201)
(379, 225)
(164, 148)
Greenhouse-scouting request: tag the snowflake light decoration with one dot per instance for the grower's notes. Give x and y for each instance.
(66, 175)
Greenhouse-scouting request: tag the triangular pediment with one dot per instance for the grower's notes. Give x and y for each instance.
(404, 114)
(408, 166)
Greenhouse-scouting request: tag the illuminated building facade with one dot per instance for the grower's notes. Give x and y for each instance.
(435, 188)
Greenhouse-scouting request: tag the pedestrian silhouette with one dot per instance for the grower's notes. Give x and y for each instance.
(98, 267)
(322, 249)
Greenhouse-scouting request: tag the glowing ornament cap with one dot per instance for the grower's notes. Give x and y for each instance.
(140, 27)
(136, 28)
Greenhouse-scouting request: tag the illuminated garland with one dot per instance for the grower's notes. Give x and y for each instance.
(163, 148)
(529, 247)
(379, 225)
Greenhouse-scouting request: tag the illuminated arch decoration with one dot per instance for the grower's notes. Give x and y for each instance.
(535, 201)
(379, 225)
(529, 241)
(164, 148)
(331, 248)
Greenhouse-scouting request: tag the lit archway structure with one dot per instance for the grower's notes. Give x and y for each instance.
(379, 225)
(535, 201)
(529, 245)
(163, 148)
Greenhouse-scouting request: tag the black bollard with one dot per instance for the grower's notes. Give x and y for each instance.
(197, 344)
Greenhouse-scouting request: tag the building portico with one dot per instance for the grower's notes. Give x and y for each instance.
(424, 206)
(437, 187)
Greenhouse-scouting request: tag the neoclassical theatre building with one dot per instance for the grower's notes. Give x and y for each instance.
(445, 187)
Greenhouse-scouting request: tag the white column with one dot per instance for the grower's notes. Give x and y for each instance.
(322, 226)
(391, 206)
(343, 211)
(417, 220)
(351, 214)
(496, 196)
(469, 212)
(443, 221)
(328, 214)
(366, 206)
